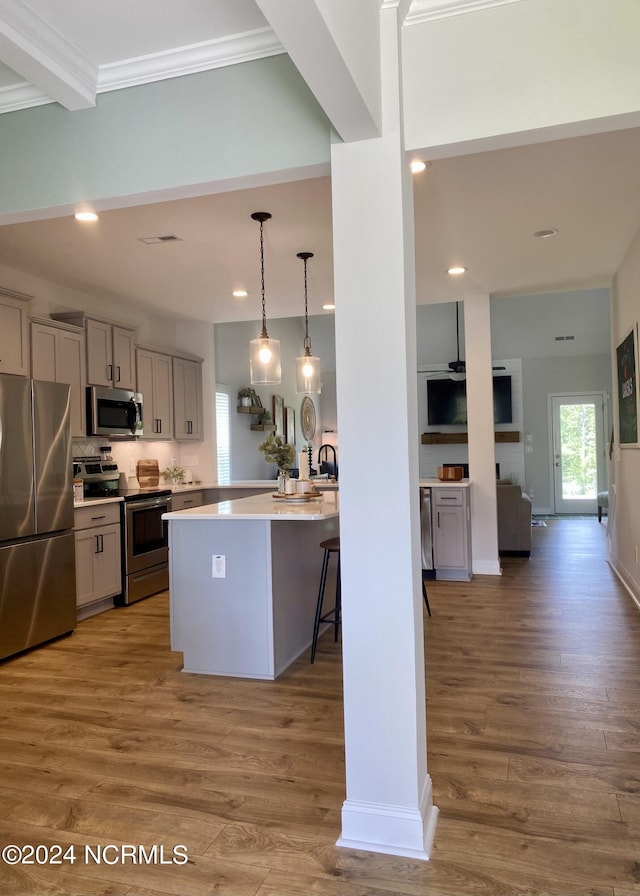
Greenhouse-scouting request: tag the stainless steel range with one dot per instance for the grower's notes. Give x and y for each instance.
(145, 542)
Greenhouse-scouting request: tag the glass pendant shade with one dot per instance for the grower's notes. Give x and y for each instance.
(264, 353)
(307, 366)
(308, 374)
(264, 361)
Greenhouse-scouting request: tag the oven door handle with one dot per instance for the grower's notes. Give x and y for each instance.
(147, 504)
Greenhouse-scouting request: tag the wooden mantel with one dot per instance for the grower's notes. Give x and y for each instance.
(460, 438)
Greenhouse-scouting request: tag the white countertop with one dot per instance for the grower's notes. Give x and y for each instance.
(444, 483)
(263, 507)
(92, 502)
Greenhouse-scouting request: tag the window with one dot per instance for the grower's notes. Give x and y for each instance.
(223, 435)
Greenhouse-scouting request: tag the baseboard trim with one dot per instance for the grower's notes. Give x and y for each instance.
(392, 830)
(487, 568)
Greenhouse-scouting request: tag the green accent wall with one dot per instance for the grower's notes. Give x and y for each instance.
(232, 122)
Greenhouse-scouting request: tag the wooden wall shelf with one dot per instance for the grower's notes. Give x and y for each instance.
(263, 427)
(251, 409)
(461, 438)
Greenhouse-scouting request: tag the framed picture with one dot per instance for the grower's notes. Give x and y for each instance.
(278, 414)
(290, 425)
(627, 370)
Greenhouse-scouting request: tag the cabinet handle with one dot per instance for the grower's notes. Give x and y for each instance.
(101, 537)
(438, 519)
(98, 517)
(109, 371)
(117, 374)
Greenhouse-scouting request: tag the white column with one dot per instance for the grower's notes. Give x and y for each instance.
(389, 804)
(482, 453)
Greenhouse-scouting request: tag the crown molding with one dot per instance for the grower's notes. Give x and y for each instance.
(180, 61)
(173, 63)
(430, 10)
(21, 96)
(39, 53)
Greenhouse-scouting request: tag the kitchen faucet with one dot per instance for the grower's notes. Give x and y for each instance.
(326, 448)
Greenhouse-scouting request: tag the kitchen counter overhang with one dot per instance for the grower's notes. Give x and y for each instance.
(263, 507)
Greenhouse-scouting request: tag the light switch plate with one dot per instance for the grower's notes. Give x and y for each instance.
(218, 566)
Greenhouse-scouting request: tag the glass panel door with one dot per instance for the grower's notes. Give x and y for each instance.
(578, 451)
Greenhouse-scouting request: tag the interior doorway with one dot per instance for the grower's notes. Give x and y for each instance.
(577, 428)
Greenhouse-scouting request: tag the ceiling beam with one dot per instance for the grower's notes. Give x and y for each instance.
(34, 49)
(334, 47)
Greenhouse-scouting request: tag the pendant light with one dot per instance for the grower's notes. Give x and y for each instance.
(307, 366)
(264, 357)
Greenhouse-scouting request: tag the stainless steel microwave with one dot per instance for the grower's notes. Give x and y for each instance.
(113, 412)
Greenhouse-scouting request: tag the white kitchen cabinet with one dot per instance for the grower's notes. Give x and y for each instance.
(187, 398)
(186, 500)
(451, 533)
(110, 350)
(14, 343)
(58, 356)
(155, 382)
(98, 553)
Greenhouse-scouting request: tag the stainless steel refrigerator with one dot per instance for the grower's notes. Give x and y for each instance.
(37, 558)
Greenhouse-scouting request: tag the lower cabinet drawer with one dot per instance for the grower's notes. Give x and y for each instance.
(184, 501)
(448, 497)
(96, 515)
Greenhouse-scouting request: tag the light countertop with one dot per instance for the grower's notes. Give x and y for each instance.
(92, 502)
(263, 507)
(444, 483)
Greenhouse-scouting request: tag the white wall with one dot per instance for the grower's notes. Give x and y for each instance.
(495, 77)
(624, 520)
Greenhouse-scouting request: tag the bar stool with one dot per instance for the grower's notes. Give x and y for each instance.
(330, 546)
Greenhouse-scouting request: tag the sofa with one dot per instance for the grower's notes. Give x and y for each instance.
(514, 519)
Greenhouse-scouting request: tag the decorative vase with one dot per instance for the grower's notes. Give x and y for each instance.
(245, 401)
(283, 476)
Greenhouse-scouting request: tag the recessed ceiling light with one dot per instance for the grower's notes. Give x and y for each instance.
(457, 269)
(86, 216)
(418, 165)
(240, 293)
(545, 234)
(329, 307)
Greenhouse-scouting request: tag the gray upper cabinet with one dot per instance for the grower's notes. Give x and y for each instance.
(155, 384)
(187, 399)
(110, 349)
(58, 356)
(14, 342)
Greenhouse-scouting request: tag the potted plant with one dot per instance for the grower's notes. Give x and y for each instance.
(279, 452)
(245, 397)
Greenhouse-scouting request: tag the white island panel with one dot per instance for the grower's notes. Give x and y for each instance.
(256, 620)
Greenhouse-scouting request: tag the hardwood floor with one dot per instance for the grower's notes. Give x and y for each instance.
(532, 717)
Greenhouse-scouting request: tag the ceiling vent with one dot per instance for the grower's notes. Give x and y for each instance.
(564, 338)
(168, 238)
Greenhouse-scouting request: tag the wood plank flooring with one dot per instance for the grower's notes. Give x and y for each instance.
(533, 748)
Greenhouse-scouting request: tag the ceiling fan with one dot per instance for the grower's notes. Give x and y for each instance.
(456, 370)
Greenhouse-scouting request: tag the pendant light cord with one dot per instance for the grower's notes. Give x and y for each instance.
(262, 217)
(305, 256)
(264, 334)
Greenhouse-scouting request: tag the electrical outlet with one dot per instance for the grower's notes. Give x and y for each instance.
(218, 566)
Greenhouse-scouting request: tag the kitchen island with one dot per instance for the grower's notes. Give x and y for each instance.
(243, 582)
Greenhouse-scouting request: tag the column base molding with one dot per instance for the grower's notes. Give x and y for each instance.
(392, 830)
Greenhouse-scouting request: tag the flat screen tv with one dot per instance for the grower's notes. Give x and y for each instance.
(447, 401)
